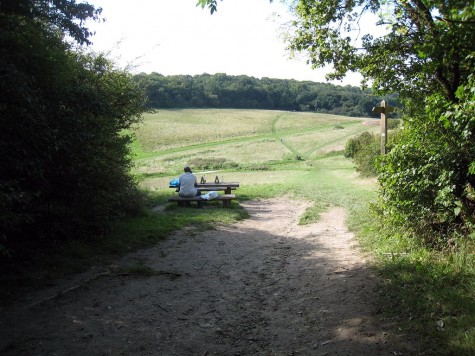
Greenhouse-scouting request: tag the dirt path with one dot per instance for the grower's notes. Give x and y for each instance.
(263, 286)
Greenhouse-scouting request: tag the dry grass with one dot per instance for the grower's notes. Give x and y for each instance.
(168, 129)
(305, 120)
(241, 138)
(322, 141)
(245, 178)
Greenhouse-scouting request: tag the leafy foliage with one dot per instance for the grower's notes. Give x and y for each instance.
(65, 169)
(211, 4)
(427, 180)
(62, 16)
(364, 150)
(423, 48)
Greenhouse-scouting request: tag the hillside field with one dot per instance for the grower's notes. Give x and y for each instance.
(237, 143)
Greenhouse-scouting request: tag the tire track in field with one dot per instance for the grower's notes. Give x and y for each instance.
(280, 139)
(203, 145)
(328, 143)
(218, 128)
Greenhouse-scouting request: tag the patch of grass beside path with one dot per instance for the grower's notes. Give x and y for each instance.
(429, 294)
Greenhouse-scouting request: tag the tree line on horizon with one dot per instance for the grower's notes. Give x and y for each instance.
(244, 92)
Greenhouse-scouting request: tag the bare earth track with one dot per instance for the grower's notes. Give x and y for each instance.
(263, 286)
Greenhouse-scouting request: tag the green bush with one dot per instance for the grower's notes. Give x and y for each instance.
(364, 149)
(351, 147)
(365, 158)
(427, 180)
(64, 171)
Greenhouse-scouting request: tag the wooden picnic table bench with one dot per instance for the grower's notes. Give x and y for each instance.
(226, 198)
(227, 187)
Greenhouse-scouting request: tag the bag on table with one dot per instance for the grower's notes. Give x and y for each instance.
(175, 183)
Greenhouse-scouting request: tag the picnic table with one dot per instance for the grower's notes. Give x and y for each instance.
(212, 186)
(226, 187)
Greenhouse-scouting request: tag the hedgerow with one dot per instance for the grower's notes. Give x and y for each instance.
(427, 181)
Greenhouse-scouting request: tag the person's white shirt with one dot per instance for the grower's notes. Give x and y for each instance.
(187, 185)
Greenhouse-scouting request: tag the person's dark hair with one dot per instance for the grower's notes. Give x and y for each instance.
(187, 169)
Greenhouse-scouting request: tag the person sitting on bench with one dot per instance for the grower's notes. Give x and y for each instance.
(188, 184)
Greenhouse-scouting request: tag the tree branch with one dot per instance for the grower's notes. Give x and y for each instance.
(463, 22)
(446, 86)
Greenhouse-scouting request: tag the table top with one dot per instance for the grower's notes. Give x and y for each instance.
(220, 184)
(213, 184)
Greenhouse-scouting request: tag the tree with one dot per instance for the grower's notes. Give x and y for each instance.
(65, 16)
(428, 179)
(424, 48)
(64, 171)
(225, 91)
(425, 54)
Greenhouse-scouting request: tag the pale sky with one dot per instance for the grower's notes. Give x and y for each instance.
(175, 37)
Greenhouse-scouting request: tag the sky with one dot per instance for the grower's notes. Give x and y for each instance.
(171, 37)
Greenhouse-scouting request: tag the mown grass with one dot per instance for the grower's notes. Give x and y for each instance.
(170, 138)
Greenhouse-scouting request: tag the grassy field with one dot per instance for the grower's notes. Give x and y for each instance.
(169, 139)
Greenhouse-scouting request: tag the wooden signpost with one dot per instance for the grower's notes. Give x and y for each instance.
(384, 109)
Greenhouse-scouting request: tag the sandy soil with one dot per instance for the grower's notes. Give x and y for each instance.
(263, 286)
